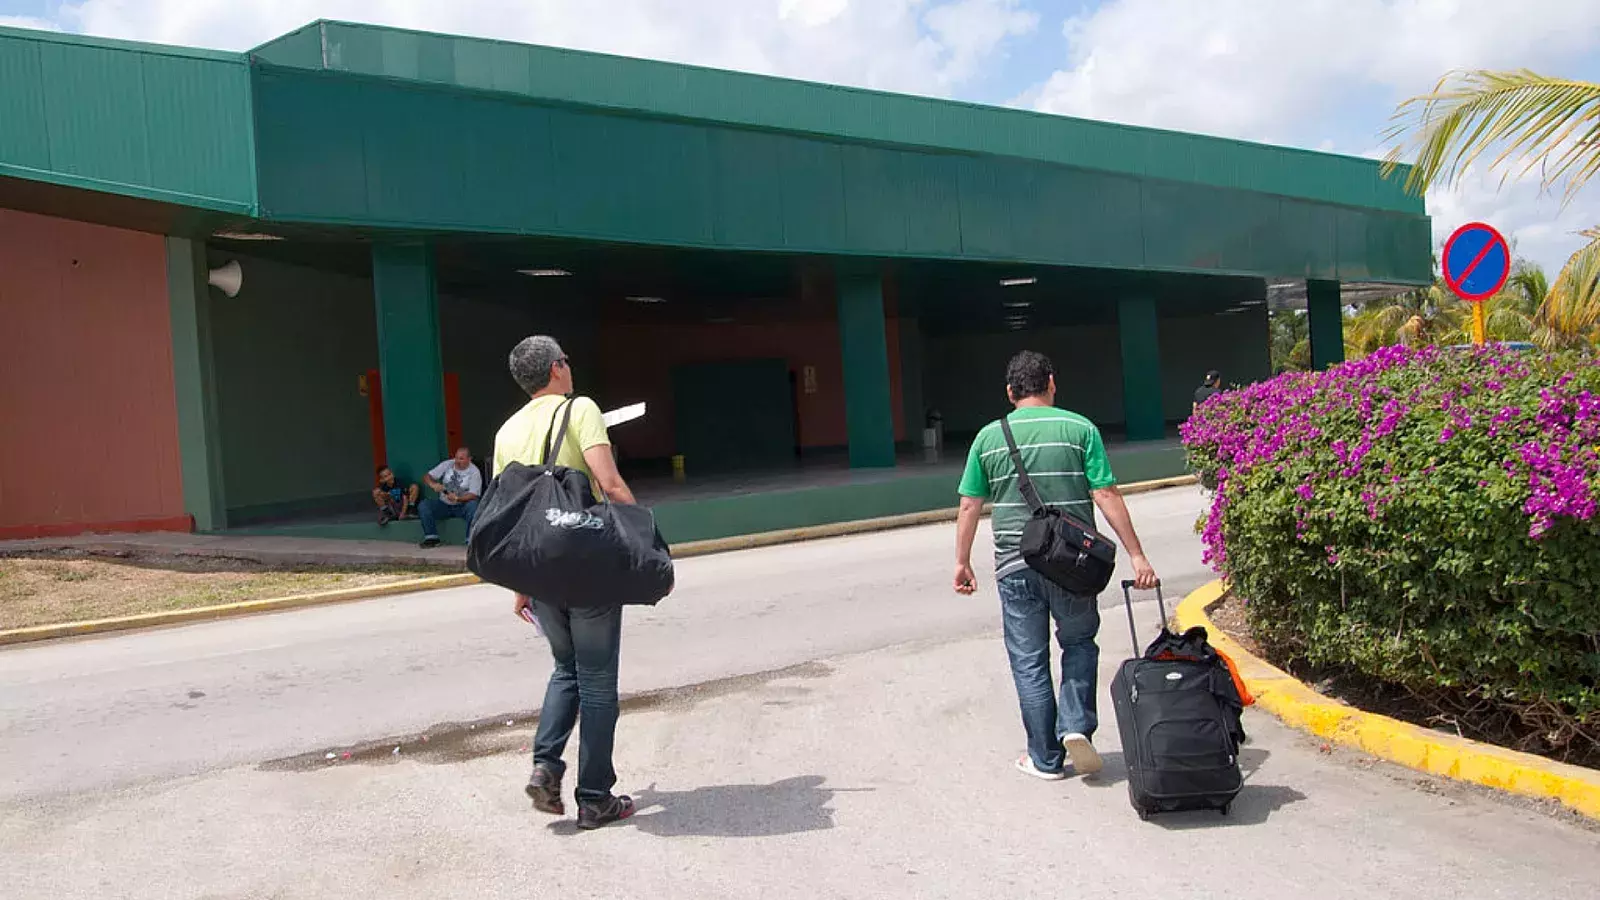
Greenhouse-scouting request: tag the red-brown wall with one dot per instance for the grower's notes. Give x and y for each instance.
(88, 419)
(637, 363)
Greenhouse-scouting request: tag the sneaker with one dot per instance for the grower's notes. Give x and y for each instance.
(1025, 766)
(431, 541)
(1085, 759)
(385, 517)
(545, 789)
(598, 815)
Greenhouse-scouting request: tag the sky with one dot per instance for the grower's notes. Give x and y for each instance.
(1320, 74)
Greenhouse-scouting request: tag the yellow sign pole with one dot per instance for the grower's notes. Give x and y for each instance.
(1480, 324)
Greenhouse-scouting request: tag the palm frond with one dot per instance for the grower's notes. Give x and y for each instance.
(1529, 285)
(1548, 124)
(1571, 311)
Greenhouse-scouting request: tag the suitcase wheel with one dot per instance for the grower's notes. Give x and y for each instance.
(1144, 815)
(1224, 809)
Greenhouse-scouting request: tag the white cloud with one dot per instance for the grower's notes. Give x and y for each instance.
(972, 29)
(1251, 68)
(917, 46)
(28, 22)
(1291, 70)
(1533, 220)
(811, 13)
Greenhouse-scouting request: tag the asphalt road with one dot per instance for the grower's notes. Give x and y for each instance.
(823, 720)
(108, 711)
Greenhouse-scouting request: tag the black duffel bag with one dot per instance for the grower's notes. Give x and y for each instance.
(1057, 544)
(540, 532)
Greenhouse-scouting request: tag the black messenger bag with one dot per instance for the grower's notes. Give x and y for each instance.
(1057, 544)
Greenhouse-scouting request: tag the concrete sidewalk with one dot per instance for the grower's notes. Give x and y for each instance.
(274, 551)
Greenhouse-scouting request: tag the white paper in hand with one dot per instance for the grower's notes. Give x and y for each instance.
(624, 414)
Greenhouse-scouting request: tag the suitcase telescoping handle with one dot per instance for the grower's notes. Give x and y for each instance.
(1127, 604)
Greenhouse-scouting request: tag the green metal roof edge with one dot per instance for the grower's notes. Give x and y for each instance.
(1406, 202)
(101, 186)
(435, 230)
(82, 40)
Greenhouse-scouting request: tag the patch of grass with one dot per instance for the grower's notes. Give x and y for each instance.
(42, 591)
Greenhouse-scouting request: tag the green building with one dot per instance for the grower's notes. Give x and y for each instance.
(791, 275)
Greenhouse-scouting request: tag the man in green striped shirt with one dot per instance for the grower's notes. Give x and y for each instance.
(1066, 461)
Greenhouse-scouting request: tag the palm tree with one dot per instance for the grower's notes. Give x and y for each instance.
(1427, 315)
(1530, 122)
(1513, 313)
(1571, 312)
(1291, 341)
(1433, 315)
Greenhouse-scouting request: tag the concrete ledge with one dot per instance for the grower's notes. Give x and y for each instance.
(679, 551)
(1399, 742)
(863, 526)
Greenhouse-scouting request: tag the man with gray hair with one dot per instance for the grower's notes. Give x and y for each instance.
(584, 641)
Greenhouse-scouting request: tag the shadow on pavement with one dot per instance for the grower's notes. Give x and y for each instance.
(791, 806)
(1253, 806)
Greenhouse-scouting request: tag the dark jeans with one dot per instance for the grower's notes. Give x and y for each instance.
(585, 644)
(1028, 601)
(434, 509)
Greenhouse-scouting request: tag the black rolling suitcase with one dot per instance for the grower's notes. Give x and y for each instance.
(1178, 714)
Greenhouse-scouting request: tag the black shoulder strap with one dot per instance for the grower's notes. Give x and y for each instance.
(1024, 483)
(560, 434)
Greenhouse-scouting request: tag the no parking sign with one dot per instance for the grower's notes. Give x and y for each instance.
(1477, 262)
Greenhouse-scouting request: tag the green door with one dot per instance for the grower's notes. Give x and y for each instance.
(734, 415)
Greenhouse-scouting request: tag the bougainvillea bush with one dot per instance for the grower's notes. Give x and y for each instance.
(1426, 519)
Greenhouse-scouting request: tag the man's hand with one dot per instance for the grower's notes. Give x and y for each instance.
(966, 530)
(1110, 502)
(523, 607)
(1144, 575)
(966, 583)
(451, 498)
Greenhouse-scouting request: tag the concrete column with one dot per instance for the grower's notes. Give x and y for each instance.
(409, 359)
(864, 346)
(1141, 368)
(195, 384)
(1325, 321)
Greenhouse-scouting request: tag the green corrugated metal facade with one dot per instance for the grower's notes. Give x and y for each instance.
(377, 128)
(151, 122)
(686, 92)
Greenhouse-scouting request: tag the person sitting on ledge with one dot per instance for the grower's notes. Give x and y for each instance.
(395, 500)
(459, 484)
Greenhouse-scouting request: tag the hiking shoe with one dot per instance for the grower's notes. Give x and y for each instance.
(429, 542)
(604, 812)
(545, 789)
(1025, 766)
(1085, 759)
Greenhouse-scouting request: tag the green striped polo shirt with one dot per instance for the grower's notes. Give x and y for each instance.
(1065, 458)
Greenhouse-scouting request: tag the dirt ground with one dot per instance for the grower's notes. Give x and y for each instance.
(46, 590)
(1229, 615)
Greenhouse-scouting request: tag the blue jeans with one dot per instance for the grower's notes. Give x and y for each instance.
(1028, 601)
(433, 509)
(586, 644)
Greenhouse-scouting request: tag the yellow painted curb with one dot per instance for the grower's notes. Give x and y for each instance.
(228, 610)
(679, 551)
(1399, 742)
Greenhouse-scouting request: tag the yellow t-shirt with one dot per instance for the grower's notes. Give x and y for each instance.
(521, 438)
